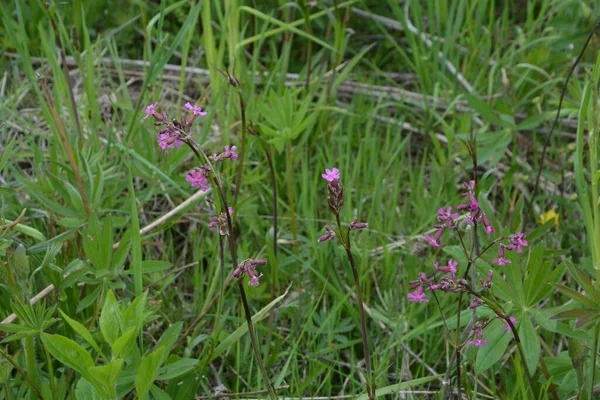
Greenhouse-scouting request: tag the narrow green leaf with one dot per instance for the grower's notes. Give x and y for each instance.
(111, 320)
(530, 342)
(147, 372)
(82, 331)
(492, 352)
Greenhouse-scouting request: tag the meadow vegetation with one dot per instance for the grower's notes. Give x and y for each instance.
(299, 199)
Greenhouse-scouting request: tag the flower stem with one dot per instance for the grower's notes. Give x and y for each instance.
(274, 193)
(232, 250)
(238, 177)
(291, 193)
(254, 341)
(361, 312)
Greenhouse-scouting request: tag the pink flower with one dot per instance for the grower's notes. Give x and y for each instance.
(501, 261)
(230, 209)
(518, 241)
(478, 328)
(331, 174)
(447, 216)
(478, 342)
(167, 140)
(450, 268)
(254, 281)
(230, 153)
(418, 296)
(150, 110)
(435, 240)
(194, 109)
(197, 179)
(507, 328)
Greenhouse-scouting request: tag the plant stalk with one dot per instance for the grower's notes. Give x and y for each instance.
(202, 158)
(238, 177)
(361, 312)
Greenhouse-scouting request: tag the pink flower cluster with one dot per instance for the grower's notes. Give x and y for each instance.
(197, 177)
(221, 222)
(516, 242)
(448, 219)
(248, 267)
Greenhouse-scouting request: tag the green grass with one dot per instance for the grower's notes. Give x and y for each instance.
(399, 144)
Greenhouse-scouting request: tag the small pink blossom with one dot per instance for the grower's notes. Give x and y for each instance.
(197, 178)
(331, 174)
(254, 281)
(167, 140)
(450, 268)
(478, 342)
(501, 261)
(194, 109)
(517, 241)
(230, 153)
(435, 240)
(447, 216)
(507, 326)
(478, 328)
(150, 110)
(418, 296)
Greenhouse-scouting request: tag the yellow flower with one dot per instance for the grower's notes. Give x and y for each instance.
(547, 216)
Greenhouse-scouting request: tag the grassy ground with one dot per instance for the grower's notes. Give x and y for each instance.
(392, 94)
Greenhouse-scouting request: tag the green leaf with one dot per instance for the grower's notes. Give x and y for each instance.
(123, 345)
(147, 372)
(111, 320)
(68, 352)
(159, 394)
(493, 351)
(583, 279)
(82, 331)
(531, 344)
(149, 266)
(177, 368)
(575, 295)
(86, 391)
(106, 375)
(574, 313)
(169, 338)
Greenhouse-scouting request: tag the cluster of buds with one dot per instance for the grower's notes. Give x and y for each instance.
(248, 267)
(335, 199)
(228, 154)
(198, 177)
(221, 222)
(335, 190)
(173, 134)
(476, 215)
(448, 219)
(478, 329)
